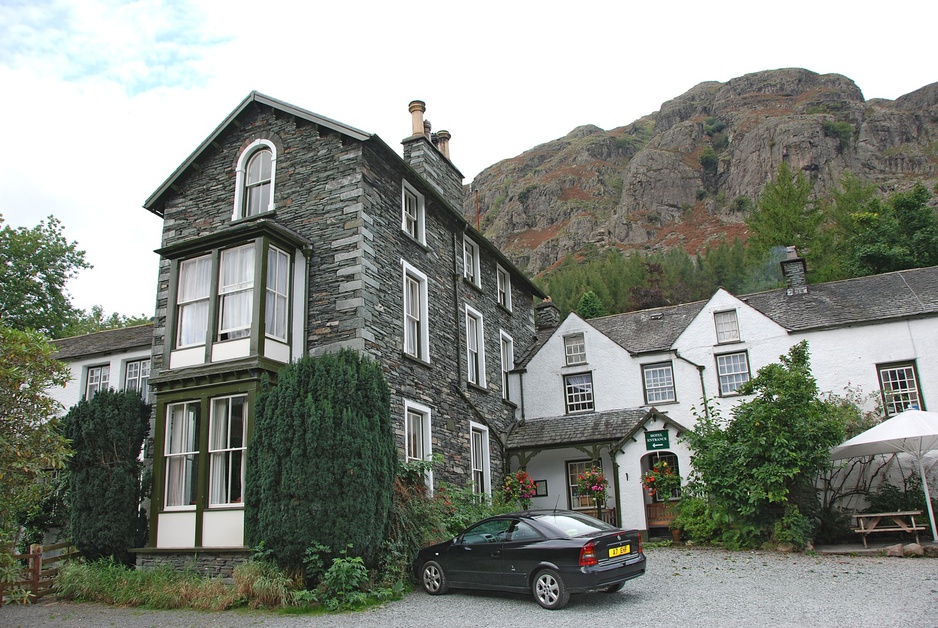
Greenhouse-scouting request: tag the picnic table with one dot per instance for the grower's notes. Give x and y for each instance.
(901, 521)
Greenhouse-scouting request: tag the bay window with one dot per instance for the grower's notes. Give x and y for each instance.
(226, 447)
(192, 300)
(182, 454)
(236, 292)
(278, 279)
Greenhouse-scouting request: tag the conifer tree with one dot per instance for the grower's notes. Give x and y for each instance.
(322, 461)
(105, 486)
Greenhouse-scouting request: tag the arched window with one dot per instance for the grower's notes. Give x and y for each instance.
(257, 183)
(257, 169)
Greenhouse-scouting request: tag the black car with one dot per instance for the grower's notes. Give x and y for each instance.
(551, 553)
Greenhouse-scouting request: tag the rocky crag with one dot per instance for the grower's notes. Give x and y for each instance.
(686, 175)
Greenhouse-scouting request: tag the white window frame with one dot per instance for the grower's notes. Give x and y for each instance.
(240, 176)
(726, 324)
(475, 347)
(899, 387)
(137, 377)
(575, 468)
(579, 396)
(97, 378)
(479, 464)
(419, 346)
(503, 287)
(731, 380)
(413, 213)
(471, 268)
(507, 345)
(197, 303)
(181, 457)
(277, 307)
(240, 290)
(658, 381)
(414, 412)
(224, 448)
(574, 349)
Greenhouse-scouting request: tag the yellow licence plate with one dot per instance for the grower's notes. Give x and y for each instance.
(619, 551)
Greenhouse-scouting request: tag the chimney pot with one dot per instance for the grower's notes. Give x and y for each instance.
(444, 137)
(426, 128)
(417, 109)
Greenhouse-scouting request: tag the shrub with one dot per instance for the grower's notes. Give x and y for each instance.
(709, 160)
(322, 462)
(794, 528)
(842, 131)
(105, 488)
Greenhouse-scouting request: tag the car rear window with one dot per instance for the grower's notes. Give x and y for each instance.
(575, 525)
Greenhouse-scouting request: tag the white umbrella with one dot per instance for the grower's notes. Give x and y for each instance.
(913, 431)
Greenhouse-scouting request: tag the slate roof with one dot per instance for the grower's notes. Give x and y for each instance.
(864, 300)
(104, 342)
(572, 429)
(901, 294)
(651, 330)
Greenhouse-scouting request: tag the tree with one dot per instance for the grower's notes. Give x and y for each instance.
(901, 234)
(35, 264)
(322, 461)
(105, 488)
(761, 466)
(785, 214)
(88, 322)
(590, 306)
(31, 444)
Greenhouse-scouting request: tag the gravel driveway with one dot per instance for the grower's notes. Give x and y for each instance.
(683, 588)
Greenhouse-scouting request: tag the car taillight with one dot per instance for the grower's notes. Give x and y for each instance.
(588, 555)
(639, 543)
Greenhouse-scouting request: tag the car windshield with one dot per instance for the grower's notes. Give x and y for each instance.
(573, 524)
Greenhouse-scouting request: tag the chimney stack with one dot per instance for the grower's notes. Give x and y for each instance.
(795, 270)
(417, 109)
(546, 315)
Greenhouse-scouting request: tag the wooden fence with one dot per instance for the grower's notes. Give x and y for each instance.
(42, 565)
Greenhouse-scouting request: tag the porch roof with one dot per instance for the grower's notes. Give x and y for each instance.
(572, 429)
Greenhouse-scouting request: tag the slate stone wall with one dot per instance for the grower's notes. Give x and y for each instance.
(344, 196)
(212, 563)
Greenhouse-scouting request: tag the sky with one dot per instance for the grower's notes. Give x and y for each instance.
(103, 99)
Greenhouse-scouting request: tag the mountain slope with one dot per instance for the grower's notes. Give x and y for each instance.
(687, 174)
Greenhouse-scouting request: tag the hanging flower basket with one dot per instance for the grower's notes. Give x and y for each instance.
(519, 486)
(593, 484)
(661, 480)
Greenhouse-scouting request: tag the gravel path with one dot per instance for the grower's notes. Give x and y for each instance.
(684, 588)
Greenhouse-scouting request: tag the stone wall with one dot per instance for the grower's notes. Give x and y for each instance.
(211, 563)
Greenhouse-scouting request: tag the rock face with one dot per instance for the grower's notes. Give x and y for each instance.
(687, 175)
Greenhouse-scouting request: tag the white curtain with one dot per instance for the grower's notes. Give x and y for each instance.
(195, 279)
(236, 283)
(182, 432)
(226, 444)
(277, 279)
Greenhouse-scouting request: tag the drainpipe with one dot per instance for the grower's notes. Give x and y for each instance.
(456, 279)
(703, 385)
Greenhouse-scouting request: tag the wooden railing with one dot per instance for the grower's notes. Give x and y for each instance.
(659, 514)
(42, 565)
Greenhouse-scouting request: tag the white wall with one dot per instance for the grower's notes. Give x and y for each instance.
(73, 391)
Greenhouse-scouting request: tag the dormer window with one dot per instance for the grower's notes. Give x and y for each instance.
(255, 180)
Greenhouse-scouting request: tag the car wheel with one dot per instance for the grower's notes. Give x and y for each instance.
(433, 579)
(613, 588)
(549, 590)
